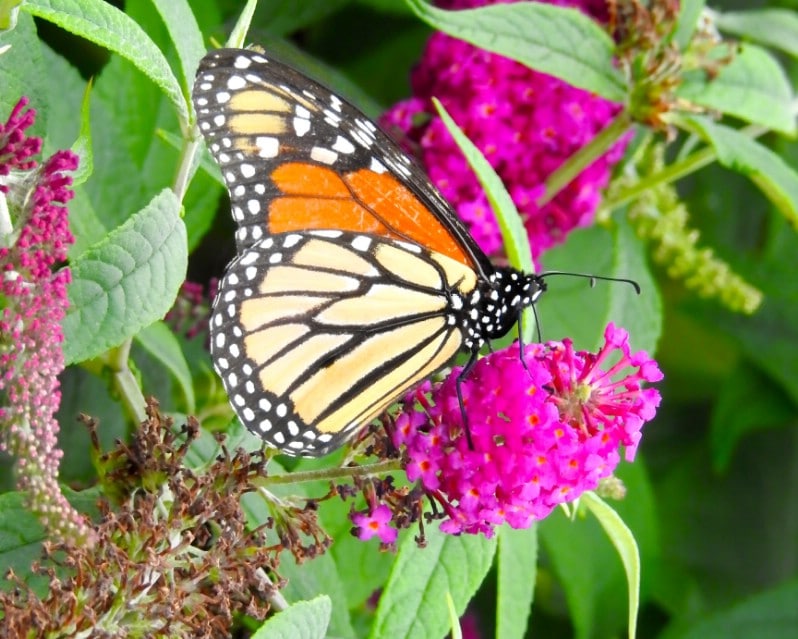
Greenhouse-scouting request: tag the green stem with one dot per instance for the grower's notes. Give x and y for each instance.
(184, 169)
(329, 474)
(126, 383)
(585, 156)
(673, 172)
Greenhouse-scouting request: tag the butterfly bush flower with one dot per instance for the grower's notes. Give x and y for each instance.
(526, 124)
(542, 430)
(375, 523)
(34, 236)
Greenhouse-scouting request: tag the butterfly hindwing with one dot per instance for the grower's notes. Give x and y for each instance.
(314, 334)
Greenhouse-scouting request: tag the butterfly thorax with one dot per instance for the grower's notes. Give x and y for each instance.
(497, 303)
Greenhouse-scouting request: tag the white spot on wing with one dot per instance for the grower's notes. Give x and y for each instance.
(236, 83)
(267, 146)
(325, 156)
(342, 145)
(301, 126)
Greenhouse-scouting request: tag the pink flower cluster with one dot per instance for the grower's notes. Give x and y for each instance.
(526, 124)
(541, 431)
(34, 236)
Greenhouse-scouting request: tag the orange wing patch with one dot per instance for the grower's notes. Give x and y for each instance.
(396, 204)
(363, 201)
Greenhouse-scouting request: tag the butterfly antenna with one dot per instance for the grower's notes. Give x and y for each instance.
(593, 278)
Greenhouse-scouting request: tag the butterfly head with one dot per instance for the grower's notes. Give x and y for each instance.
(506, 295)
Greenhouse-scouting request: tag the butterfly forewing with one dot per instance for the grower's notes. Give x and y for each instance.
(296, 157)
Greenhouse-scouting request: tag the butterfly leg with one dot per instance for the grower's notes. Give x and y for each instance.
(458, 386)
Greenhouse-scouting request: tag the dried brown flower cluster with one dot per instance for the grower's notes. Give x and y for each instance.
(653, 61)
(173, 555)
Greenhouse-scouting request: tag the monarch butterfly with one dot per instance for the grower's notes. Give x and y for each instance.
(354, 278)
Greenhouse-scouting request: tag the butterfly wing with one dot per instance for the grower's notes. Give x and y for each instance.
(297, 157)
(314, 334)
(354, 277)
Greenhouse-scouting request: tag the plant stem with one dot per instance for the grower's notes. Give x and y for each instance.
(126, 384)
(325, 474)
(673, 172)
(585, 156)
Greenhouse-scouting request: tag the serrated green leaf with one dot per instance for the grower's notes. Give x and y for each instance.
(598, 251)
(126, 281)
(302, 620)
(777, 28)
(159, 341)
(738, 152)
(104, 24)
(753, 87)
(624, 542)
(413, 603)
(185, 35)
(562, 42)
(517, 569)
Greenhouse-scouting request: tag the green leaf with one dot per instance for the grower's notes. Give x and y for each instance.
(413, 603)
(159, 341)
(753, 87)
(624, 542)
(454, 621)
(303, 620)
(104, 24)
(559, 41)
(21, 536)
(598, 251)
(516, 240)
(126, 281)
(517, 571)
(23, 71)
(9, 11)
(586, 565)
(738, 152)
(282, 17)
(777, 28)
(314, 578)
(689, 14)
(82, 146)
(185, 35)
(362, 568)
(749, 401)
(771, 614)
(513, 232)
